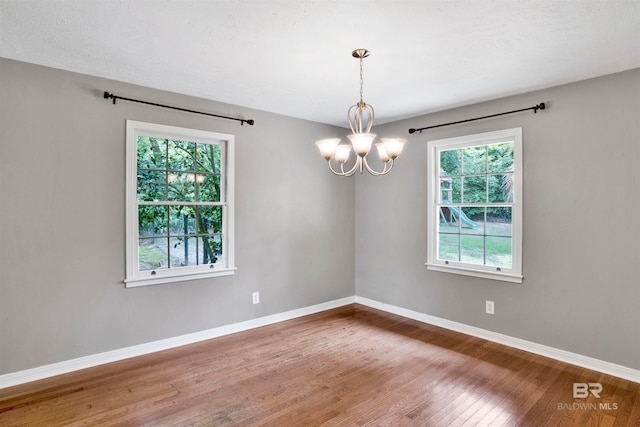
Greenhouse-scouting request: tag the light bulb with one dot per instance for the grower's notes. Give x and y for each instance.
(393, 146)
(361, 142)
(342, 153)
(382, 153)
(328, 147)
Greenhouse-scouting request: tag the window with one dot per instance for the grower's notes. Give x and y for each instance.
(179, 204)
(475, 205)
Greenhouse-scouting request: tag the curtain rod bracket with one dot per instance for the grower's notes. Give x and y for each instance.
(108, 95)
(535, 108)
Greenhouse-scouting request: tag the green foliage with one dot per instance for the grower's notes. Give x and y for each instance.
(479, 174)
(450, 163)
(475, 176)
(179, 171)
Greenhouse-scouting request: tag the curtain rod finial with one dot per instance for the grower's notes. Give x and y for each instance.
(540, 106)
(108, 95)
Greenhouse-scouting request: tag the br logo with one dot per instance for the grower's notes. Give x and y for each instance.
(582, 390)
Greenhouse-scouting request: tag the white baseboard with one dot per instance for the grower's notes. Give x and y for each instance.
(543, 350)
(46, 371)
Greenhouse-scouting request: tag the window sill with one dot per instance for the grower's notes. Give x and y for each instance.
(181, 277)
(493, 275)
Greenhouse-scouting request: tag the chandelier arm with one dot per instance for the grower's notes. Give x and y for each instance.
(372, 116)
(391, 163)
(356, 117)
(335, 172)
(351, 119)
(384, 170)
(355, 167)
(342, 172)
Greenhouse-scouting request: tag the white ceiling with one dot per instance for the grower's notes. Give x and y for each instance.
(294, 57)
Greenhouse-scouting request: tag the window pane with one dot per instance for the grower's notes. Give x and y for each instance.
(448, 220)
(446, 190)
(499, 251)
(474, 160)
(209, 188)
(450, 162)
(501, 188)
(501, 157)
(472, 221)
(208, 158)
(152, 221)
(183, 251)
(151, 185)
(181, 155)
(211, 249)
(498, 221)
(472, 249)
(152, 254)
(449, 247)
(152, 153)
(507, 187)
(210, 219)
(474, 189)
(450, 190)
(182, 187)
(182, 220)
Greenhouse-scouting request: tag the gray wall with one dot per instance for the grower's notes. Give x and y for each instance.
(62, 220)
(581, 250)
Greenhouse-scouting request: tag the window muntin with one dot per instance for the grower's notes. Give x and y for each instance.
(179, 204)
(475, 205)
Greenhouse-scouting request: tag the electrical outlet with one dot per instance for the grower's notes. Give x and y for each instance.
(256, 297)
(490, 307)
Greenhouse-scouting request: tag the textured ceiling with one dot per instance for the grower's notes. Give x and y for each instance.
(294, 57)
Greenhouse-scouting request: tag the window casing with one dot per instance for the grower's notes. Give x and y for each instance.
(179, 204)
(475, 205)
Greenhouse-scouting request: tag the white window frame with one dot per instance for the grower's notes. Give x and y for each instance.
(513, 274)
(134, 277)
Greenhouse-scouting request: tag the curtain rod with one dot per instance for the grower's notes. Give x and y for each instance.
(108, 95)
(535, 109)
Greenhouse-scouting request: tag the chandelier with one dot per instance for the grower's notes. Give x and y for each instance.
(360, 118)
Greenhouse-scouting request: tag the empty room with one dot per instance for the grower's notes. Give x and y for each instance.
(319, 212)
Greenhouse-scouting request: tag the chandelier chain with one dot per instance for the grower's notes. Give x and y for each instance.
(361, 81)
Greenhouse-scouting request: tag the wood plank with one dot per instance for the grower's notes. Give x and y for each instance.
(352, 365)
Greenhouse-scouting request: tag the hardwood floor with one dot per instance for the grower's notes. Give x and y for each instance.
(349, 366)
